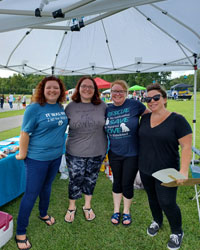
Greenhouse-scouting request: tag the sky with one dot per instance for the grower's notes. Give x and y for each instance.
(175, 74)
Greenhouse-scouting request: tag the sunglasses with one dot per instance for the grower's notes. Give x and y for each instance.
(155, 98)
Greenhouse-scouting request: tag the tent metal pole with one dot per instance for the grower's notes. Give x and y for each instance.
(44, 13)
(68, 28)
(195, 99)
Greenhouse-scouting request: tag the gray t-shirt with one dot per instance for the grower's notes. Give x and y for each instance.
(86, 137)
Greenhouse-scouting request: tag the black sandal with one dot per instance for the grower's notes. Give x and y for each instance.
(116, 216)
(47, 219)
(23, 241)
(126, 217)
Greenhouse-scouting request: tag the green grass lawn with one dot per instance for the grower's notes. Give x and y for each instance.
(11, 113)
(100, 234)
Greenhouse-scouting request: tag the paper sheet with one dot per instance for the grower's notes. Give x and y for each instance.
(168, 175)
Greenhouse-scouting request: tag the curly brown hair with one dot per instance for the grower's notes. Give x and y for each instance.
(96, 97)
(39, 92)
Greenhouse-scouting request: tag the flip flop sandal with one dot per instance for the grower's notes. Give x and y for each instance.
(46, 220)
(70, 212)
(89, 211)
(116, 216)
(23, 241)
(126, 217)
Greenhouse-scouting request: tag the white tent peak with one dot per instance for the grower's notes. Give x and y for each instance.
(107, 36)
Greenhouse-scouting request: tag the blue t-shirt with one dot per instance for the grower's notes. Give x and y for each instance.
(46, 126)
(121, 126)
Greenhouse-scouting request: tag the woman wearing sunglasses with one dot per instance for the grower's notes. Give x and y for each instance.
(122, 129)
(160, 134)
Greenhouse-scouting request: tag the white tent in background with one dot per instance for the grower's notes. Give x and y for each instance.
(99, 36)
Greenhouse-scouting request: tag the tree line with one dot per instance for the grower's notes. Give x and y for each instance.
(20, 84)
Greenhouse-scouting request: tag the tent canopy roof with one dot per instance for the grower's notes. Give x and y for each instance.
(101, 83)
(181, 86)
(136, 87)
(114, 36)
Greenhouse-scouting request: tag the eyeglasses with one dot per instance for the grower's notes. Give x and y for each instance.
(87, 87)
(118, 92)
(155, 98)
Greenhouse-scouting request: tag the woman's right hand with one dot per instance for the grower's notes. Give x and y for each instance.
(20, 157)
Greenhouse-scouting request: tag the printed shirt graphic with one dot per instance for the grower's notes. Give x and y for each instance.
(46, 126)
(122, 127)
(86, 136)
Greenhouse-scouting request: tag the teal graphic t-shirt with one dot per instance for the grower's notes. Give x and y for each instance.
(122, 123)
(46, 126)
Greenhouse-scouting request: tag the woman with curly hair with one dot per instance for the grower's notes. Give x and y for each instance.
(86, 144)
(41, 146)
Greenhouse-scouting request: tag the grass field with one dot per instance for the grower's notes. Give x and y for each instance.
(100, 234)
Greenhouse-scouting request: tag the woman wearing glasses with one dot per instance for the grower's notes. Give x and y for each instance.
(122, 128)
(86, 144)
(160, 134)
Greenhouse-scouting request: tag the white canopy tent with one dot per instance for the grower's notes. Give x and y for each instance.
(99, 36)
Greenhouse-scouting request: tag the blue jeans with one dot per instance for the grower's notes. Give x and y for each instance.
(39, 178)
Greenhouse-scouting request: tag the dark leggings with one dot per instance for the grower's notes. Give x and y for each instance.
(162, 199)
(124, 171)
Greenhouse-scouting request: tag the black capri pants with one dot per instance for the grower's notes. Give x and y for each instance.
(124, 171)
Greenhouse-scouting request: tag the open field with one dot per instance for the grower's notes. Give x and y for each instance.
(100, 234)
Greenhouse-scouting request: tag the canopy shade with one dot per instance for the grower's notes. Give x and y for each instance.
(181, 86)
(101, 83)
(114, 36)
(136, 87)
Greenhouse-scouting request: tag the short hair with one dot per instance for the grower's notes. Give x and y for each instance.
(39, 92)
(122, 83)
(156, 86)
(96, 97)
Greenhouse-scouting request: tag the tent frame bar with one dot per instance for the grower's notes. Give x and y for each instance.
(45, 13)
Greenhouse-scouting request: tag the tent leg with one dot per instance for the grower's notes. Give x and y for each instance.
(197, 199)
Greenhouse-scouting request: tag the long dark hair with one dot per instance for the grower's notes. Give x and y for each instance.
(96, 97)
(39, 92)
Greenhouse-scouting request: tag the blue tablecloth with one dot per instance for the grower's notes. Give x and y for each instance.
(12, 175)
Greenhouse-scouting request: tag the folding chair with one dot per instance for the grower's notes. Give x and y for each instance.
(196, 174)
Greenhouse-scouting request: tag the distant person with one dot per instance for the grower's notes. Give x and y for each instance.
(122, 123)
(2, 98)
(86, 145)
(10, 100)
(160, 134)
(134, 95)
(41, 146)
(24, 101)
(19, 101)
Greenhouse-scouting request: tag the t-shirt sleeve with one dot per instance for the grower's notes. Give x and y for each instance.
(182, 126)
(141, 107)
(29, 120)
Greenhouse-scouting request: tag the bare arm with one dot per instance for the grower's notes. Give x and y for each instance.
(23, 146)
(146, 111)
(186, 153)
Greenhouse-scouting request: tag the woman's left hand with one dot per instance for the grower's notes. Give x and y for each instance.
(181, 181)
